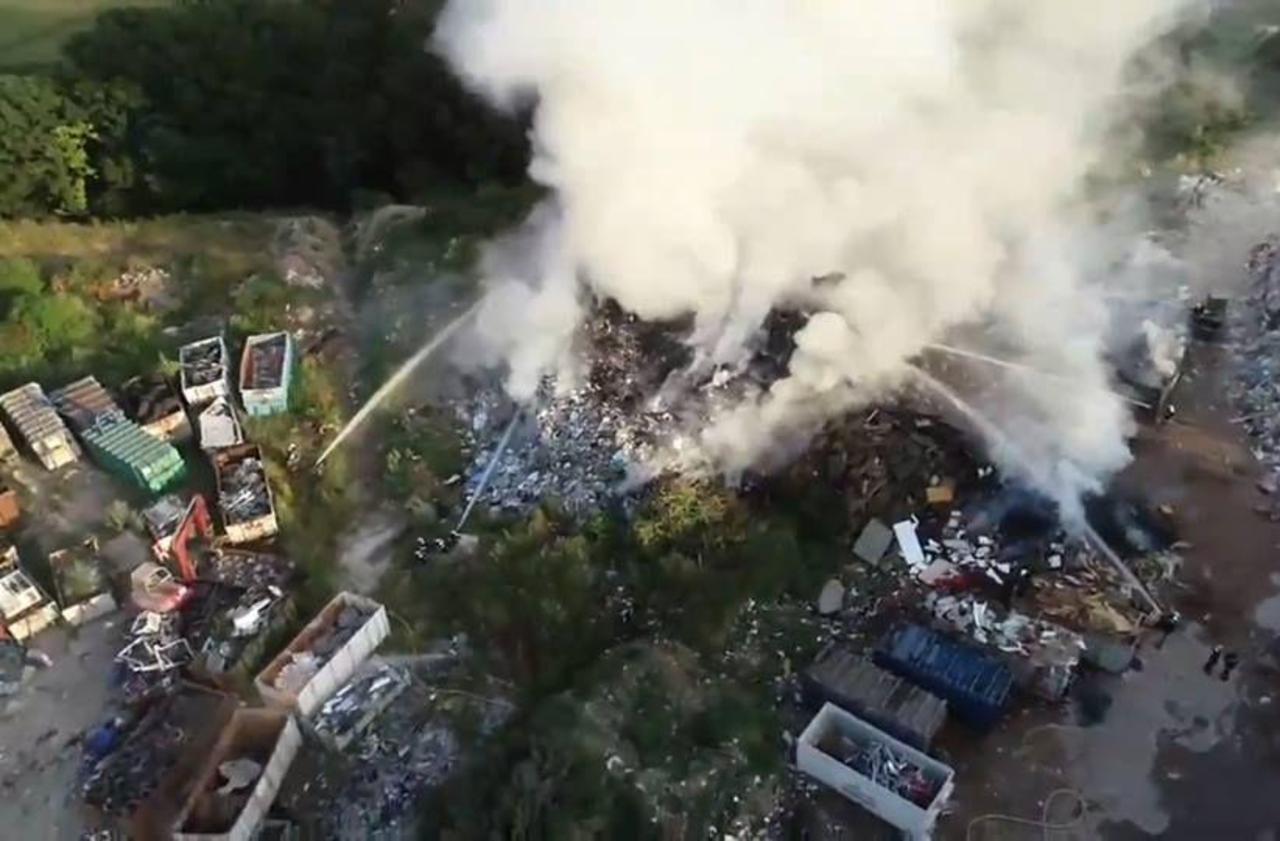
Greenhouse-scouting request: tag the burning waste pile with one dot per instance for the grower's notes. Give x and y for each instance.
(781, 168)
(582, 444)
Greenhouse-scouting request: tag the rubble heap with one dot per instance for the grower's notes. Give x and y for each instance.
(635, 400)
(303, 665)
(1256, 351)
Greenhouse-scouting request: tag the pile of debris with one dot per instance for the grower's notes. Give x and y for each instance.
(244, 494)
(203, 363)
(141, 756)
(1042, 656)
(1256, 351)
(628, 414)
(154, 655)
(305, 664)
(356, 704)
(884, 765)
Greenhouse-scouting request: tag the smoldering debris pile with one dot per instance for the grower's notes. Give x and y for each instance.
(584, 444)
(1256, 350)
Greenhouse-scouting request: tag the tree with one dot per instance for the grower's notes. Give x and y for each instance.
(44, 158)
(19, 276)
(243, 103)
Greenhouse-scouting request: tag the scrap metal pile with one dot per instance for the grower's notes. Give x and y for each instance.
(356, 704)
(203, 363)
(244, 491)
(884, 766)
(154, 655)
(584, 444)
(303, 665)
(266, 363)
(1256, 351)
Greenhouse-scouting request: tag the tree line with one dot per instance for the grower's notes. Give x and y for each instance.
(219, 104)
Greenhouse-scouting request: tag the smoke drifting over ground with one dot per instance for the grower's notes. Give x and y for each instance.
(902, 173)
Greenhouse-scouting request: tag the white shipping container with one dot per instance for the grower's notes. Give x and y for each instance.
(339, 668)
(913, 820)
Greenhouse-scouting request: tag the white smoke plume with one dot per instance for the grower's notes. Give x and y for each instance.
(925, 158)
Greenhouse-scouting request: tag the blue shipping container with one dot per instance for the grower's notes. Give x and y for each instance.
(975, 685)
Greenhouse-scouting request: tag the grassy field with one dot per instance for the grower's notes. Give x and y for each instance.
(33, 31)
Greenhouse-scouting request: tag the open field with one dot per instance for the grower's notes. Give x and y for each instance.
(33, 31)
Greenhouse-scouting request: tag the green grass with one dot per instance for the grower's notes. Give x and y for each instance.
(32, 32)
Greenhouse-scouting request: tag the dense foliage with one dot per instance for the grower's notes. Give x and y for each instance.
(246, 103)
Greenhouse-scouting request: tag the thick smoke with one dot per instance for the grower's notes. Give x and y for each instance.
(906, 172)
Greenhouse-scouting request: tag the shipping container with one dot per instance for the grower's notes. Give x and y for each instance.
(117, 444)
(976, 686)
(38, 426)
(268, 738)
(203, 374)
(853, 683)
(244, 494)
(153, 404)
(80, 585)
(325, 654)
(266, 373)
(842, 751)
(25, 609)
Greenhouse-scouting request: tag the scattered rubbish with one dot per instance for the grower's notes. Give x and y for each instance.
(157, 757)
(831, 598)
(909, 543)
(238, 773)
(873, 542)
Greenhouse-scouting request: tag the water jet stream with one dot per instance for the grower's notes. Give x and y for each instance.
(988, 429)
(402, 373)
(489, 468)
(1017, 367)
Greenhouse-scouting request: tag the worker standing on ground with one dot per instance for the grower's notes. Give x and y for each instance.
(1229, 663)
(1214, 656)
